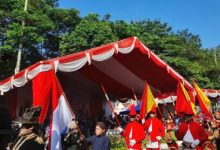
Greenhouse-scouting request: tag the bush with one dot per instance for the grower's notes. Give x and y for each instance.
(117, 142)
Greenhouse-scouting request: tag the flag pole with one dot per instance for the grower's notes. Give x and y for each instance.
(157, 106)
(173, 104)
(160, 111)
(168, 110)
(18, 63)
(135, 97)
(109, 103)
(65, 98)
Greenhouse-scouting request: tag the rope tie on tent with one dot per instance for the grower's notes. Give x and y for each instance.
(88, 58)
(134, 42)
(183, 82)
(41, 66)
(55, 65)
(148, 54)
(25, 75)
(11, 82)
(116, 48)
(168, 69)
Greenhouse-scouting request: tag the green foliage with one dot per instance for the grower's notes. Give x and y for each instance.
(64, 22)
(43, 25)
(89, 33)
(50, 31)
(117, 142)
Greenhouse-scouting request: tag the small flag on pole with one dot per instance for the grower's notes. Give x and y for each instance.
(204, 102)
(148, 102)
(183, 102)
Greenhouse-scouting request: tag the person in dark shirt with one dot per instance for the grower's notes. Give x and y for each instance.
(99, 141)
(27, 138)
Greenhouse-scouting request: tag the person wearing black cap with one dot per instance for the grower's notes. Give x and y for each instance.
(134, 132)
(27, 138)
(99, 141)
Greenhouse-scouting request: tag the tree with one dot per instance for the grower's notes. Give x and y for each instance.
(89, 33)
(65, 21)
(40, 37)
(51, 31)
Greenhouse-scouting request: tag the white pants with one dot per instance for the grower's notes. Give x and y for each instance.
(153, 145)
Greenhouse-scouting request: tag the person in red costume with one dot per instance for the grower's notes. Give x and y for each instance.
(191, 133)
(155, 131)
(134, 132)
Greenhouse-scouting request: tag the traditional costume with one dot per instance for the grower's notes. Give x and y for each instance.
(29, 141)
(155, 131)
(133, 132)
(190, 132)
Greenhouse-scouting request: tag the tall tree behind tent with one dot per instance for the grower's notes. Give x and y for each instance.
(48, 26)
(45, 23)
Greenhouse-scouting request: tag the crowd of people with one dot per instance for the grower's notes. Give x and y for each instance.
(190, 130)
(187, 131)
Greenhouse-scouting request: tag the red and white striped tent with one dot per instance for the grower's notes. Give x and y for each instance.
(212, 93)
(120, 67)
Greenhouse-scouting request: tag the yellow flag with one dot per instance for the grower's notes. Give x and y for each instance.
(188, 98)
(202, 96)
(147, 102)
(185, 93)
(150, 100)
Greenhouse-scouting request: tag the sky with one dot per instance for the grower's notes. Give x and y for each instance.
(200, 17)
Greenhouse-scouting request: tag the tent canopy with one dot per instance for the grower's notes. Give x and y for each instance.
(212, 93)
(120, 67)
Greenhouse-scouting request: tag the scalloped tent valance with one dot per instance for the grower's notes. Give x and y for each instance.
(120, 66)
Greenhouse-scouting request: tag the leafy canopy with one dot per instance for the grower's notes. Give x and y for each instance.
(50, 31)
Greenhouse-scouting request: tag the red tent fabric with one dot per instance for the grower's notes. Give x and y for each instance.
(120, 66)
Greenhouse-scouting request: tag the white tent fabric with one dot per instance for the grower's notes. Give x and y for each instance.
(169, 99)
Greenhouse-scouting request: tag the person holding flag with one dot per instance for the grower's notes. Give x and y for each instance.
(154, 129)
(48, 93)
(190, 132)
(134, 132)
(99, 141)
(153, 126)
(147, 103)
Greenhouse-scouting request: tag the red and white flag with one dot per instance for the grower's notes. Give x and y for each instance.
(52, 92)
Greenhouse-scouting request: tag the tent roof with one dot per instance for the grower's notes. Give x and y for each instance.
(211, 93)
(119, 66)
